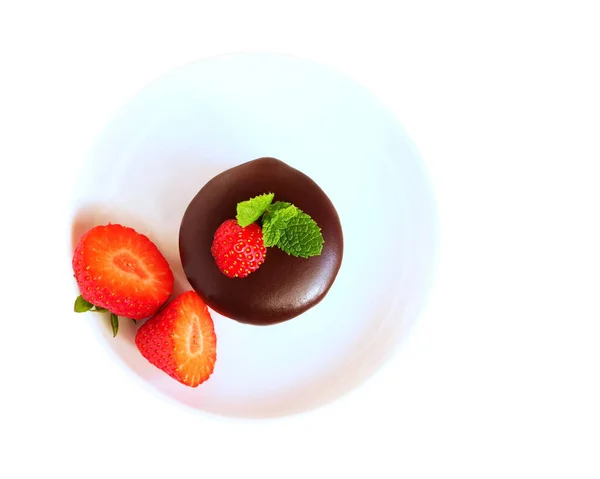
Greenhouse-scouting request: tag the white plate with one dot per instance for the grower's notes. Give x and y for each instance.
(209, 116)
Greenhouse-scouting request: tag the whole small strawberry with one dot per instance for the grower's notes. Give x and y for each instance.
(238, 251)
(180, 340)
(122, 271)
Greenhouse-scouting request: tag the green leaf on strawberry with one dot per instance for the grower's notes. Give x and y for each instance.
(81, 305)
(114, 322)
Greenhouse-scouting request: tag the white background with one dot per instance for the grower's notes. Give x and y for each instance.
(500, 376)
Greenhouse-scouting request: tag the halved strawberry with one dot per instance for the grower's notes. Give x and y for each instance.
(122, 271)
(180, 340)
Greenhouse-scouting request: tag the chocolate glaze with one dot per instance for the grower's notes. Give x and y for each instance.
(284, 286)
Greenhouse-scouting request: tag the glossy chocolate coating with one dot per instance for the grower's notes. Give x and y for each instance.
(284, 286)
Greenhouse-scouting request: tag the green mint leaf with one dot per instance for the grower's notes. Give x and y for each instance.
(275, 221)
(100, 310)
(249, 211)
(278, 205)
(301, 237)
(114, 322)
(81, 305)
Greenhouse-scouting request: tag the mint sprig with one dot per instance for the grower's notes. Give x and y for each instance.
(301, 237)
(249, 211)
(275, 220)
(283, 225)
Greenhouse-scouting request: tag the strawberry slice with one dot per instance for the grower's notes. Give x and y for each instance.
(122, 271)
(180, 340)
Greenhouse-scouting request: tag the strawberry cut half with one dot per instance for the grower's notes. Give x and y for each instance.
(180, 340)
(121, 270)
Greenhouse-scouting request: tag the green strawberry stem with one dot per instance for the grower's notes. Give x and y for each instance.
(83, 306)
(114, 322)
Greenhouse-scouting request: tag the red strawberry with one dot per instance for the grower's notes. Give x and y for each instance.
(121, 270)
(238, 251)
(180, 340)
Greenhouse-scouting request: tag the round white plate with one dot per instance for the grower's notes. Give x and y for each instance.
(197, 121)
